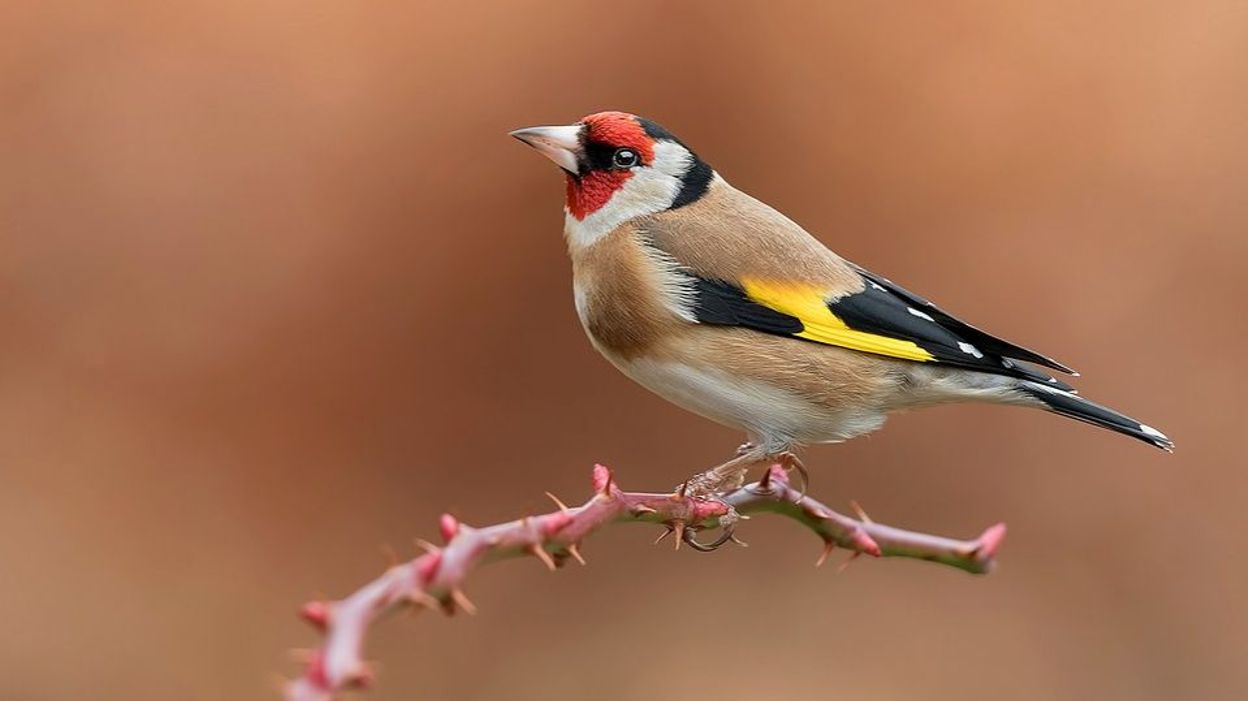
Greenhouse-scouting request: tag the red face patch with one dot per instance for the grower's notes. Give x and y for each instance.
(588, 193)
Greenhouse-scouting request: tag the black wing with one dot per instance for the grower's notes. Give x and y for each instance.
(881, 310)
(985, 341)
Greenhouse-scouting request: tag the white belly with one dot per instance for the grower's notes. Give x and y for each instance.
(771, 416)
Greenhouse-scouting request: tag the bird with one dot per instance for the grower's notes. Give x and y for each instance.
(725, 307)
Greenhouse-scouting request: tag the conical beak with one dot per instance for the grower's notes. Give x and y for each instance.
(560, 144)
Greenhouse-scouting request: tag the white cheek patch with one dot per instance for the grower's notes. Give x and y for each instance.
(652, 189)
(582, 303)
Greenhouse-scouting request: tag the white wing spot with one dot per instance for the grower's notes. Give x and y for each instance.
(876, 285)
(920, 314)
(1153, 432)
(969, 349)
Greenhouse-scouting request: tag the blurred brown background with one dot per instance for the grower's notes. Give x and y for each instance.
(276, 289)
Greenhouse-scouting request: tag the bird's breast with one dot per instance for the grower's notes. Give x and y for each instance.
(628, 296)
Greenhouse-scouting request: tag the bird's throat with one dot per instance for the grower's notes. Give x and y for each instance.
(588, 193)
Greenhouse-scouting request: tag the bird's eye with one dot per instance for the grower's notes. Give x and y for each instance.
(624, 158)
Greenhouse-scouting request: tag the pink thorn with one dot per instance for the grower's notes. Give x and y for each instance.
(990, 541)
(316, 613)
(428, 567)
(866, 544)
(449, 525)
(555, 522)
(828, 547)
(845, 565)
(315, 671)
(602, 478)
(361, 677)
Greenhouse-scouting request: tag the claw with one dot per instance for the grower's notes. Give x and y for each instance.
(791, 461)
(689, 535)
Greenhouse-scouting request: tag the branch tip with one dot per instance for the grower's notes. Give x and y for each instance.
(427, 566)
(434, 579)
(989, 542)
(448, 525)
(603, 480)
(316, 613)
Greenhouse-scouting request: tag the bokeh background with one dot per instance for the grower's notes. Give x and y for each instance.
(276, 289)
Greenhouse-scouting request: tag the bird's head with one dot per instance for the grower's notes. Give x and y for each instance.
(620, 166)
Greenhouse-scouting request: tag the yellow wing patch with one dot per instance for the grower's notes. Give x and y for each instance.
(808, 304)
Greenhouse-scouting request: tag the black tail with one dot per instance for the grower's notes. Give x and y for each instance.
(1076, 407)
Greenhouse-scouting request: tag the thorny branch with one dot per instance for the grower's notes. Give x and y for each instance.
(435, 580)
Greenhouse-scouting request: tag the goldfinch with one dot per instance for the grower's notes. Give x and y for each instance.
(725, 307)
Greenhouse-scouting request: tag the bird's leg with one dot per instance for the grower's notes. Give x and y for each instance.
(713, 482)
(724, 477)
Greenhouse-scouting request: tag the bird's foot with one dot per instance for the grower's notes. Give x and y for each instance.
(706, 485)
(710, 485)
(790, 462)
(727, 525)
